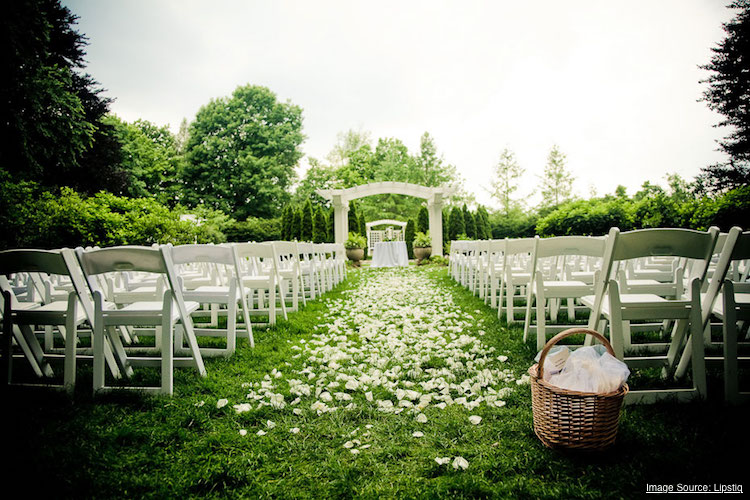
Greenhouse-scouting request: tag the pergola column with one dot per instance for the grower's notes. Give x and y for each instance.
(435, 212)
(340, 218)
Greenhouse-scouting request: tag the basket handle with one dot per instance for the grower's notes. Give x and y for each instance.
(567, 333)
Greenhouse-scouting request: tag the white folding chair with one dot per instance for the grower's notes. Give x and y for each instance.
(609, 304)
(165, 315)
(309, 269)
(20, 319)
(496, 272)
(291, 273)
(517, 269)
(227, 293)
(259, 268)
(727, 298)
(556, 285)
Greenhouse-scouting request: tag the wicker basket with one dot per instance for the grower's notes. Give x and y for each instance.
(570, 419)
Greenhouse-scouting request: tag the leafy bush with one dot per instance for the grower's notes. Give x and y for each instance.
(254, 229)
(422, 240)
(32, 216)
(587, 217)
(355, 241)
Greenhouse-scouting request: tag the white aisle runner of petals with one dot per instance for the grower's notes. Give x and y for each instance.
(396, 342)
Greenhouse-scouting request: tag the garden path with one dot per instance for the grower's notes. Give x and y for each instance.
(397, 342)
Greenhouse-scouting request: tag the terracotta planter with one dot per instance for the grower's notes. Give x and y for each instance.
(421, 253)
(355, 254)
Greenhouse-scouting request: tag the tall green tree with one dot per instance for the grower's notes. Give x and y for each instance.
(296, 228)
(557, 181)
(469, 223)
(307, 222)
(286, 223)
(149, 157)
(50, 110)
(353, 219)
(409, 237)
(242, 152)
(729, 93)
(456, 224)
(319, 226)
(423, 220)
(504, 184)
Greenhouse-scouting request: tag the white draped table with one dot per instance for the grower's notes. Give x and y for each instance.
(389, 254)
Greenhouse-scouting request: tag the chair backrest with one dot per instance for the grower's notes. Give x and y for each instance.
(257, 254)
(735, 246)
(687, 243)
(33, 261)
(588, 246)
(212, 254)
(124, 258)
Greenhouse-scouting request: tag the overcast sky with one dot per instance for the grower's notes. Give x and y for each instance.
(614, 84)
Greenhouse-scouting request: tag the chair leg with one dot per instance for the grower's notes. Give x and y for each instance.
(729, 331)
(167, 347)
(71, 337)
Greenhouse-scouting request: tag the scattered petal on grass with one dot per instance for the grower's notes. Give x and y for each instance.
(243, 432)
(222, 403)
(261, 433)
(475, 419)
(443, 460)
(364, 446)
(200, 403)
(348, 444)
(241, 408)
(421, 418)
(354, 451)
(417, 434)
(270, 424)
(294, 430)
(460, 463)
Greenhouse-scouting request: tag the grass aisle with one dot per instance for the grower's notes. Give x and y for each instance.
(397, 384)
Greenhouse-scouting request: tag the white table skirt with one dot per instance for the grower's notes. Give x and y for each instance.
(390, 254)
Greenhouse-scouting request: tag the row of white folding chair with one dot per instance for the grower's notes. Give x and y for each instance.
(66, 317)
(87, 303)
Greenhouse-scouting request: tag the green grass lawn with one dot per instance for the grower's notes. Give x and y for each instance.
(132, 446)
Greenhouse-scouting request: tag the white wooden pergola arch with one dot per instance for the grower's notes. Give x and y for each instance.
(340, 199)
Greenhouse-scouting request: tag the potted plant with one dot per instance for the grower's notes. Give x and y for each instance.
(422, 246)
(355, 248)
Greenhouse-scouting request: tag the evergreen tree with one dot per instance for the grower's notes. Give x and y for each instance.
(471, 225)
(728, 92)
(330, 237)
(483, 224)
(557, 182)
(296, 228)
(319, 226)
(507, 173)
(467, 222)
(423, 220)
(286, 223)
(353, 218)
(409, 237)
(307, 222)
(456, 224)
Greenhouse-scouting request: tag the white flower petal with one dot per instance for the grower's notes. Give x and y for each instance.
(222, 403)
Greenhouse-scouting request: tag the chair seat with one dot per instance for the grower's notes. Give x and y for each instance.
(256, 281)
(47, 313)
(568, 286)
(741, 299)
(151, 307)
